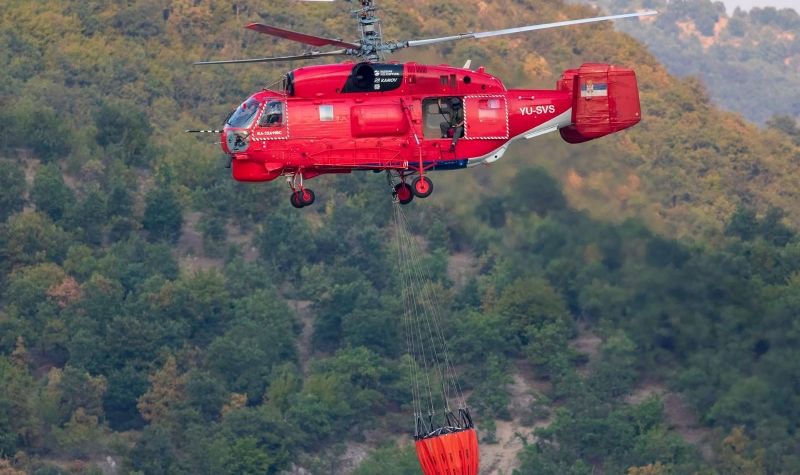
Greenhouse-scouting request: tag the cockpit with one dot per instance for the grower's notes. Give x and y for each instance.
(261, 115)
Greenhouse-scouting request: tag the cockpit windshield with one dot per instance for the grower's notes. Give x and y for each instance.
(243, 116)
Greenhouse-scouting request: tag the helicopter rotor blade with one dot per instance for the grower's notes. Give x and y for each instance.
(510, 31)
(310, 55)
(299, 37)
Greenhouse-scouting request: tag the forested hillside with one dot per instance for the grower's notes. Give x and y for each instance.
(750, 60)
(626, 305)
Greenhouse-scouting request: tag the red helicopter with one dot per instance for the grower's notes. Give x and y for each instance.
(406, 118)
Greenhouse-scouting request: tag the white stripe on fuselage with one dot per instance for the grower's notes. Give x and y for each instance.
(562, 120)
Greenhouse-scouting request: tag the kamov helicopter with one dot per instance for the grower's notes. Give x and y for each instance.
(406, 118)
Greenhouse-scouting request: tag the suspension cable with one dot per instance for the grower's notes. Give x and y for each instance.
(425, 339)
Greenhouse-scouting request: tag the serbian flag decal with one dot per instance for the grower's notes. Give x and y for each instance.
(594, 89)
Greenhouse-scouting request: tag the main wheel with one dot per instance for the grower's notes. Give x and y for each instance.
(404, 193)
(294, 200)
(422, 186)
(306, 197)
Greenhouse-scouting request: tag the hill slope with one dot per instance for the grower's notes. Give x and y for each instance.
(155, 312)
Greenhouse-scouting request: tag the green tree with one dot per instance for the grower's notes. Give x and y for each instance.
(284, 240)
(50, 194)
(125, 386)
(246, 457)
(743, 224)
(206, 394)
(38, 126)
(133, 261)
(163, 215)
(29, 290)
(155, 451)
(533, 189)
(491, 396)
(90, 215)
(390, 460)
(261, 337)
(772, 228)
(214, 233)
(80, 436)
(125, 131)
(17, 417)
(29, 238)
(12, 189)
(529, 305)
(203, 302)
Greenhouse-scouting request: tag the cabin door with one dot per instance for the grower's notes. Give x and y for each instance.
(486, 117)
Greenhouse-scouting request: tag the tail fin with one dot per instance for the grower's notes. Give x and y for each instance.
(605, 99)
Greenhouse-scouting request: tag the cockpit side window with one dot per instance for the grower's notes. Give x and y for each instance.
(273, 115)
(243, 116)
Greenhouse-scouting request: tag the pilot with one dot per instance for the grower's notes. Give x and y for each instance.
(453, 110)
(273, 115)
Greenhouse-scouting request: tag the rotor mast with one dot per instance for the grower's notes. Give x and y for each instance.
(369, 26)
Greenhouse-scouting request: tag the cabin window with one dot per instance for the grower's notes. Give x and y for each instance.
(493, 103)
(490, 109)
(273, 115)
(325, 113)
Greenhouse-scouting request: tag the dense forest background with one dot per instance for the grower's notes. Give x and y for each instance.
(622, 306)
(749, 61)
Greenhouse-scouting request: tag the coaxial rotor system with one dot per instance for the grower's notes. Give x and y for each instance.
(370, 45)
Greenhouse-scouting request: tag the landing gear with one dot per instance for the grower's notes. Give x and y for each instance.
(422, 187)
(403, 193)
(301, 196)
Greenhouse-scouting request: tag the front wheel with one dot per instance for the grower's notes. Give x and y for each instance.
(422, 186)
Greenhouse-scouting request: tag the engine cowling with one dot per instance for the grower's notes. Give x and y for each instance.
(605, 99)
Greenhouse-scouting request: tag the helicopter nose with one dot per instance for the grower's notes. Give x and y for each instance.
(237, 141)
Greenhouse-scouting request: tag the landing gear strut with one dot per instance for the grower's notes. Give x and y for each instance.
(301, 196)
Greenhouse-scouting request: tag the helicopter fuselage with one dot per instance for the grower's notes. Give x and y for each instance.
(413, 118)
